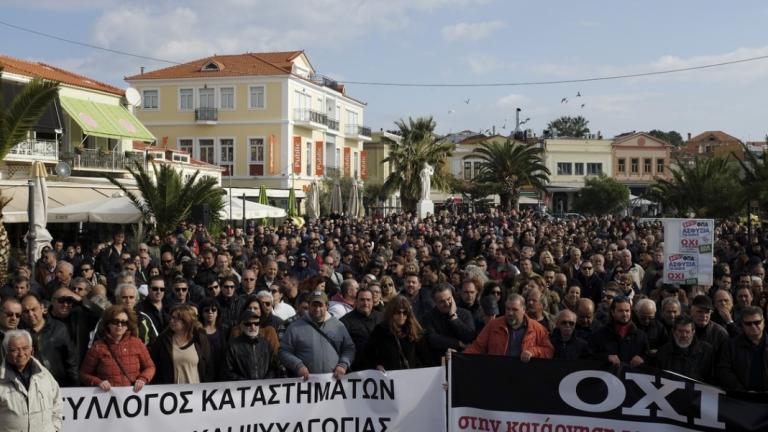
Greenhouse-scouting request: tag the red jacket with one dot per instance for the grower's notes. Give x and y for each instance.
(494, 338)
(99, 364)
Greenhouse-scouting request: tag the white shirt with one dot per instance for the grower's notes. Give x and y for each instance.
(283, 310)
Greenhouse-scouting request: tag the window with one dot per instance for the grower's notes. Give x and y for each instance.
(186, 100)
(227, 98)
(151, 99)
(622, 165)
(564, 168)
(187, 145)
(635, 165)
(256, 156)
(467, 170)
(309, 158)
(211, 66)
(227, 158)
(207, 151)
(647, 163)
(302, 104)
(659, 166)
(352, 122)
(594, 168)
(579, 168)
(476, 167)
(207, 98)
(256, 97)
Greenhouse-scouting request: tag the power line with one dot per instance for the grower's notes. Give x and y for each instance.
(413, 84)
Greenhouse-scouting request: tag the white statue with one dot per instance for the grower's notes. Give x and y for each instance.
(426, 180)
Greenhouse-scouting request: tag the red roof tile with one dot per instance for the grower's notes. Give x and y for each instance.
(46, 71)
(717, 135)
(248, 64)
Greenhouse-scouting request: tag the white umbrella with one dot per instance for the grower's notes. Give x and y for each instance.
(336, 205)
(353, 205)
(253, 210)
(361, 207)
(313, 208)
(38, 204)
(118, 210)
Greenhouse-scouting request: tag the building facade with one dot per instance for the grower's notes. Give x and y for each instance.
(639, 159)
(571, 161)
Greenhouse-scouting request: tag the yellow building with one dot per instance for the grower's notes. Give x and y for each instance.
(265, 118)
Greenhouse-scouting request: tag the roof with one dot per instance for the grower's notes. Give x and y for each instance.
(716, 135)
(629, 136)
(46, 71)
(247, 64)
(141, 146)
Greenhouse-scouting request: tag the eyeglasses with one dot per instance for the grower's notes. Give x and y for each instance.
(496, 293)
(266, 303)
(586, 268)
(65, 300)
(401, 312)
(251, 324)
(180, 289)
(752, 323)
(12, 314)
(158, 289)
(119, 323)
(210, 310)
(567, 323)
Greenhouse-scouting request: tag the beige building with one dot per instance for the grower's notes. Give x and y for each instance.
(264, 118)
(639, 159)
(571, 161)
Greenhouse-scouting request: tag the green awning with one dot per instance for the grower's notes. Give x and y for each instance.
(103, 120)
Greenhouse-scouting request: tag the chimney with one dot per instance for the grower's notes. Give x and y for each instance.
(142, 70)
(689, 136)
(494, 130)
(517, 120)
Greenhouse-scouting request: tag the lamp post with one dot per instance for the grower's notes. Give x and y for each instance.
(31, 234)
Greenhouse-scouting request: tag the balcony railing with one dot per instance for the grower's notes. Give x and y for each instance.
(94, 159)
(207, 114)
(333, 124)
(357, 130)
(308, 115)
(35, 150)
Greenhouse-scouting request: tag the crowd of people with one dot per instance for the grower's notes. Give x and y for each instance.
(338, 295)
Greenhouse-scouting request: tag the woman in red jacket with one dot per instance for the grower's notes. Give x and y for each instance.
(117, 357)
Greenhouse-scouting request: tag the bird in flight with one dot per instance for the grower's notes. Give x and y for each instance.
(466, 101)
(564, 100)
(582, 105)
(450, 111)
(578, 94)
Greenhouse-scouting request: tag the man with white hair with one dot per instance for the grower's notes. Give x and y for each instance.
(685, 354)
(635, 270)
(645, 319)
(30, 398)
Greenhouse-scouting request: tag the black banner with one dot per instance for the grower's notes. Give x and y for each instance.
(502, 394)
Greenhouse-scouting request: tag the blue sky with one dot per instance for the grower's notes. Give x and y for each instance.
(447, 41)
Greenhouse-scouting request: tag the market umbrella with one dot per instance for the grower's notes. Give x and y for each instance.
(263, 200)
(336, 205)
(37, 209)
(313, 203)
(361, 207)
(292, 210)
(116, 210)
(353, 205)
(251, 210)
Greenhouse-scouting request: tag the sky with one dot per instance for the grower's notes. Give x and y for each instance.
(447, 42)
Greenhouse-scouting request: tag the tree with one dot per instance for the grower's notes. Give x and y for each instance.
(755, 175)
(16, 120)
(704, 188)
(570, 127)
(507, 167)
(672, 137)
(602, 196)
(418, 145)
(166, 199)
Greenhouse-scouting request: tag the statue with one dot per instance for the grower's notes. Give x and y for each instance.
(426, 180)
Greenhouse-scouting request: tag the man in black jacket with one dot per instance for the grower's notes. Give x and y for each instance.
(619, 341)
(706, 329)
(743, 364)
(567, 345)
(52, 342)
(447, 326)
(78, 314)
(249, 355)
(360, 323)
(685, 354)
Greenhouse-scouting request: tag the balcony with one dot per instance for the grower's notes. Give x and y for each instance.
(354, 130)
(206, 115)
(308, 117)
(31, 150)
(100, 160)
(332, 124)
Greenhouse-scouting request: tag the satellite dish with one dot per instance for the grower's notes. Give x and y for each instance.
(63, 169)
(133, 96)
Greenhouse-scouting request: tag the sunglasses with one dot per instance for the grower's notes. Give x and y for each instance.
(119, 323)
(12, 314)
(181, 289)
(752, 323)
(251, 324)
(266, 303)
(65, 300)
(210, 310)
(401, 312)
(213, 287)
(158, 289)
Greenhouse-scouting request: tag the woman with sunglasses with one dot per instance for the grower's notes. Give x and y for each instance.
(182, 352)
(117, 358)
(397, 342)
(388, 289)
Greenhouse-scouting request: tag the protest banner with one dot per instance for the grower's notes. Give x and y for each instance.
(369, 401)
(688, 245)
(494, 393)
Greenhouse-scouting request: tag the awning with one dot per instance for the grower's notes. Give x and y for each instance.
(103, 120)
(254, 192)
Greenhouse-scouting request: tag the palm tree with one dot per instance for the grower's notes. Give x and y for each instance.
(755, 172)
(418, 145)
(704, 188)
(507, 167)
(570, 127)
(16, 120)
(167, 198)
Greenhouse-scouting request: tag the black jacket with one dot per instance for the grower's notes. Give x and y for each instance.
(249, 359)
(714, 334)
(160, 318)
(697, 361)
(162, 354)
(55, 350)
(79, 323)
(443, 333)
(656, 333)
(607, 342)
(230, 309)
(573, 349)
(384, 349)
(735, 363)
(360, 327)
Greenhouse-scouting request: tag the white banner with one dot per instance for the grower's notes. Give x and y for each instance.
(688, 245)
(368, 401)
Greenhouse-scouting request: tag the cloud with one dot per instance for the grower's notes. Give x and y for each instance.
(472, 32)
(512, 101)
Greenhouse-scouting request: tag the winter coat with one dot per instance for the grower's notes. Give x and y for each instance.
(38, 409)
(606, 341)
(494, 338)
(360, 328)
(56, 352)
(697, 361)
(443, 333)
(573, 349)
(735, 362)
(162, 354)
(302, 345)
(249, 359)
(99, 364)
(382, 350)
